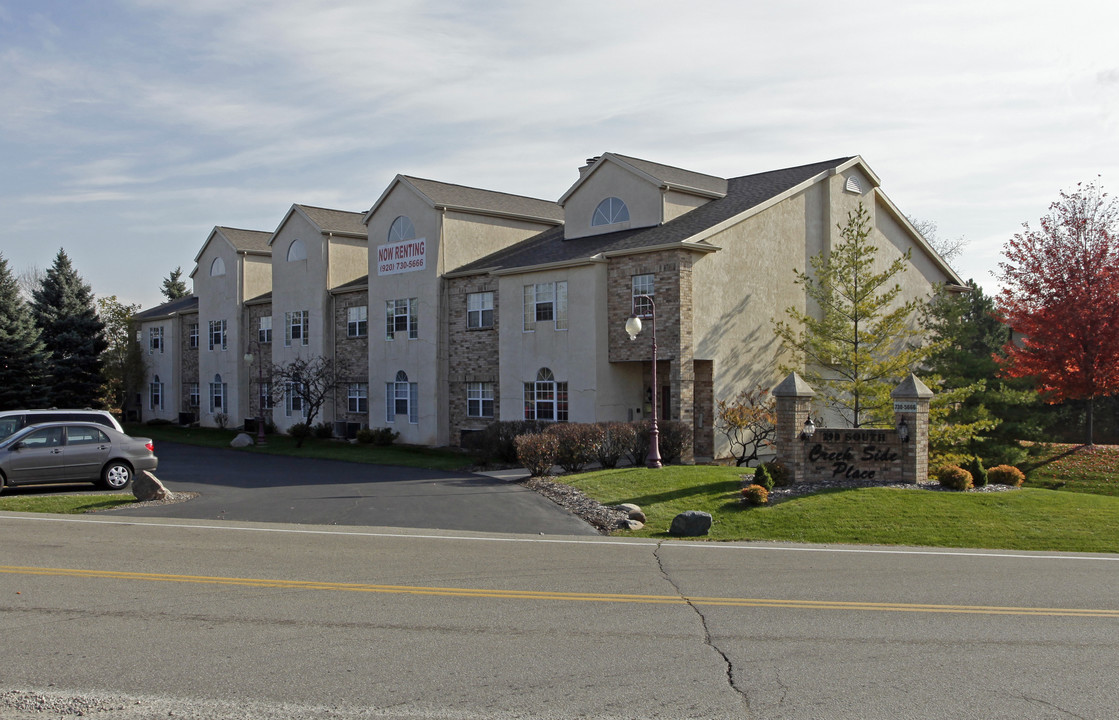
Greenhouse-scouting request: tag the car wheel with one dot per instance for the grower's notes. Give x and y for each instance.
(116, 475)
(3, 483)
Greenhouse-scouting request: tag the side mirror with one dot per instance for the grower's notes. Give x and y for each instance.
(16, 446)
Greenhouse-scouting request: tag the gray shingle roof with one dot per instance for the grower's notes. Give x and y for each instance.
(336, 221)
(247, 240)
(182, 305)
(743, 193)
(678, 177)
(358, 284)
(460, 197)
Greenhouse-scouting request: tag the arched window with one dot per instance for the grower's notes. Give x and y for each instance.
(546, 399)
(402, 229)
(610, 211)
(297, 250)
(155, 394)
(217, 267)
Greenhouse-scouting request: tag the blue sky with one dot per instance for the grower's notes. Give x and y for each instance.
(129, 128)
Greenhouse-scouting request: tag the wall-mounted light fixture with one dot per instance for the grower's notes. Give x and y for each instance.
(809, 429)
(903, 431)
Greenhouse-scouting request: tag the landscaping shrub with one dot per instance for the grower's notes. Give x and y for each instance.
(676, 439)
(1006, 475)
(578, 443)
(158, 421)
(300, 431)
(377, 436)
(639, 448)
(364, 436)
(978, 472)
(537, 452)
(954, 477)
(763, 477)
(779, 471)
(221, 420)
(496, 443)
(323, 430)
(755, 495)
(617, 439)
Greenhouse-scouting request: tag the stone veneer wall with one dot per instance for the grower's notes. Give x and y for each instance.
(472, 354)
(704, 430)
(188, 362)
(351, 354)
(672, 294)
(252, 332)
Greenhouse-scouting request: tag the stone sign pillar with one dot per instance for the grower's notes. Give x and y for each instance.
(911, 407)
(794, 399)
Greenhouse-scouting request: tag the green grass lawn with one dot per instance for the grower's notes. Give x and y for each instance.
(406, 455)
(1075, 468)
(64, 504)
(1028, 519)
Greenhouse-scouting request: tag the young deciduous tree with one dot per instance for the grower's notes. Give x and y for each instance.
(122, 361)
(749, 421)
(863, 341)
(73, 334)
(23, 358)
(311, 380)
(173, 285)
(1061, 294)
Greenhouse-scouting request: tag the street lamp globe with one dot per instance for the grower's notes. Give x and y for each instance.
(633, 327)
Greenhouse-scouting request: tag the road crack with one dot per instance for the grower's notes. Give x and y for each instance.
(707, 639)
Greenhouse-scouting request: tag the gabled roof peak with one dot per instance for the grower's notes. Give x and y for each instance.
(664, 176)
(449, 196)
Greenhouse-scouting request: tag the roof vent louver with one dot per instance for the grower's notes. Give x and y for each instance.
(853, 185)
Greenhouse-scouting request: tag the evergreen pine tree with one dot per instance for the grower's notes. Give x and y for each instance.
(73, 334)
(23, 359)
(173, 285)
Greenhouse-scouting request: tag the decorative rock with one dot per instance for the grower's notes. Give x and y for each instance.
(146, 486)
(632, 524)
(242, 440)
(690, 523)
(638, 516)
(628, 507)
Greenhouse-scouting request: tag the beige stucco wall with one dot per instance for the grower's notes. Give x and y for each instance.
(347, 259)
(643, 199)
(220, 298)
(162, 364)
(677, 203)
(300, 285)
(467, 237)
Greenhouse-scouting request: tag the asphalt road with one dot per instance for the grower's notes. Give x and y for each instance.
(267, 488)
(129, 618)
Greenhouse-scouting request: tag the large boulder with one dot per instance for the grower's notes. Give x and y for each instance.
(690, 523)
(146, 486)
(242, 440)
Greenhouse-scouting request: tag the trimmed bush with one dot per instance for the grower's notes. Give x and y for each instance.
(617, 439)
(364, 436)
(639, 448)
(300, 431)
(675, 440)
(978, 473)
(154, 422)
(779, 471)
(1006, 475)
(954, 477)
(496, 443)
(537, 452)
(763, 477)
(377, 436)
(323, 430)
(755, 495)
(578, 443)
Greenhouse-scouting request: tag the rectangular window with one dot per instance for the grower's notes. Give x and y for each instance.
(217, 334)
(479, 310)
(545, 302)
(402, 398)
(155, 339)
(265, 400)
(357, 321)
(193, 335)
(194, 396)
(546, 400)
(400, 319)
(479, 399)
(293, 400)
(217, 397)
(264, 332)
(155, 396)
(357, 398)
(642, 285)
(296, 328)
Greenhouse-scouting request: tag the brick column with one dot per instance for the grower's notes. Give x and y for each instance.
(794, 399)
(911, 403)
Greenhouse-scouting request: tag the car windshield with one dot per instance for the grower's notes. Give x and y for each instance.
(16, 437)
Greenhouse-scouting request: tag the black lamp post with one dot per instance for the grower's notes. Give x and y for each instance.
(260, 388)
(633, 328)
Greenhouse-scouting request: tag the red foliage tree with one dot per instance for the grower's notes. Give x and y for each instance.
(1061, 296)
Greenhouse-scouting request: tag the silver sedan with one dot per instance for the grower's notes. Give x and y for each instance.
(65, 452)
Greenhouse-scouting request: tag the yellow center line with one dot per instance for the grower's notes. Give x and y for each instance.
(561, 596)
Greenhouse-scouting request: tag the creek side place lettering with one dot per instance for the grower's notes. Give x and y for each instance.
(402, 257)
(848, 462)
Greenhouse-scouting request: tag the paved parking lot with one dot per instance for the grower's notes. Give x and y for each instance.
(244, 486)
